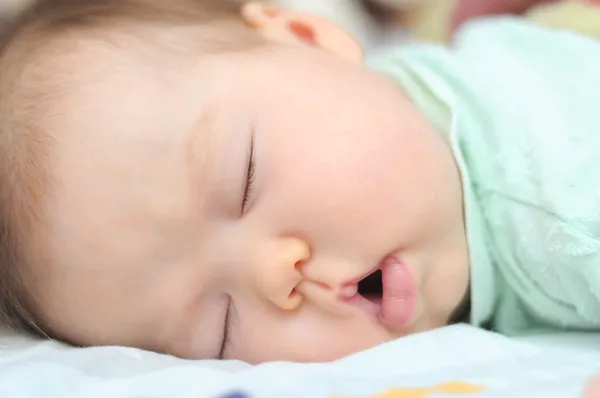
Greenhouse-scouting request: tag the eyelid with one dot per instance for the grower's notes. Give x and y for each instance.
(227, 330)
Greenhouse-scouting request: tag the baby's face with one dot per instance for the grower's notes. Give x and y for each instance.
(162, 239)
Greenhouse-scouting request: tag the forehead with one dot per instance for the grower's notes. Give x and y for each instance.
(129, 136)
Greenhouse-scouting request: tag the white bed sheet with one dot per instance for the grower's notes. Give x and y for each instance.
(555, 366)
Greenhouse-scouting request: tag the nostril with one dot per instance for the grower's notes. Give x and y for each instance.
(300, 263)
(293, 301)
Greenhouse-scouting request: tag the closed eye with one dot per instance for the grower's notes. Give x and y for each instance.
(249, 177)
(227, 332)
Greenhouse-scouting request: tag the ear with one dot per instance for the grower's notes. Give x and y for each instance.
(293, 27)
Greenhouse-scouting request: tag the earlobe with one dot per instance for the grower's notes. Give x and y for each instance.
(293, 27)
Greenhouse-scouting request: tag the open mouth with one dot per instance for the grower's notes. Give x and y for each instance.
(371, 287)
(389, 294)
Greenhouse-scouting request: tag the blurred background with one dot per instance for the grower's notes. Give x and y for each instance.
(9, 7)
(382, 23)
(373, 22)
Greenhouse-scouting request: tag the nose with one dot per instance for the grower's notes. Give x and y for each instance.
(279, 272)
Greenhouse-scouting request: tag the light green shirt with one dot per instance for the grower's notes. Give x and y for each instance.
(521, 107)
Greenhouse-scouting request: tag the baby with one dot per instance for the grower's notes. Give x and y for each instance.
(214, 180)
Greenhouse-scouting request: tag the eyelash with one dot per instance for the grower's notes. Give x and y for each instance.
(249, 178)
(227, 333)
(247, 194)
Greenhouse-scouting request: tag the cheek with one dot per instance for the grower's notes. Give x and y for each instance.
(303, 336)
(333, 192)
(359, 179)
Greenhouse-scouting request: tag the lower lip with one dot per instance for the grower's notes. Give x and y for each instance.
(397, 306)
(399, 300)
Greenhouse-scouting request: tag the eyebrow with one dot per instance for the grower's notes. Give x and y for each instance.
(201, 139)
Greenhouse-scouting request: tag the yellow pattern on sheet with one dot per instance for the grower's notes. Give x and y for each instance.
(450, 388)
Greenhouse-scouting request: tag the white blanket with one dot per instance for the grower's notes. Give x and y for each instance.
(480, 362)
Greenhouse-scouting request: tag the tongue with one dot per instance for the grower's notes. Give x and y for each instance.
(398, 302)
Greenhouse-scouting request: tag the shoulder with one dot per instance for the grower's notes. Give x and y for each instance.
(535, 161)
